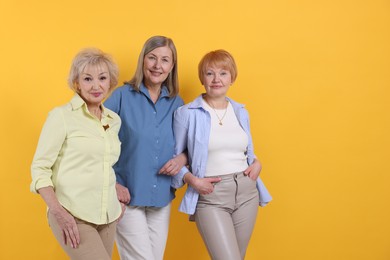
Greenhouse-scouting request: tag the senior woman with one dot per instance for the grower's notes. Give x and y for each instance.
(224, 189)
(146, 105)
(72, 167)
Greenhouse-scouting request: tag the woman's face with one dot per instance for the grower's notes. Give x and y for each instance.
(157, 65)
(217, 81)
(94, 84)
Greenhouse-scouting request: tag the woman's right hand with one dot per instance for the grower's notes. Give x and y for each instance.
(64, 219)
(203, 186)
(68, 226)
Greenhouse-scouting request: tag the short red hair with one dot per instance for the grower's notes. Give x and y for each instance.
(219, 59)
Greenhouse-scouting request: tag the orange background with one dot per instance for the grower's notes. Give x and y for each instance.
(313, 74)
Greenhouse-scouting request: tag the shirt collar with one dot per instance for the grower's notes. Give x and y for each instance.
(78, 103)
(164, 91)
(198, 102)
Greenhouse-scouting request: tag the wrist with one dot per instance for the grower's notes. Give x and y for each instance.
(187, 178)
(56, 210)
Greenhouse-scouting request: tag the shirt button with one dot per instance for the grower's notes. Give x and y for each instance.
(154, 186)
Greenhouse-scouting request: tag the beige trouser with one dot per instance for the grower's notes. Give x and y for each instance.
(96, 241)
(226, 217)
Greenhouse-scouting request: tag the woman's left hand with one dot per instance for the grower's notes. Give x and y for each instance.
(253, 171)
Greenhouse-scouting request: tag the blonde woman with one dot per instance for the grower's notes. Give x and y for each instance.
(146, 105)
(72, 167)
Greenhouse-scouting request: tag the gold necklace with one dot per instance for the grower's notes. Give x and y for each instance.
(219, 118)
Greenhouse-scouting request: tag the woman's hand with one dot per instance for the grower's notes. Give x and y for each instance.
(123, 193)
(203, 186)
(68, 225)
(173, 166)
(253, 171)
(64, 219)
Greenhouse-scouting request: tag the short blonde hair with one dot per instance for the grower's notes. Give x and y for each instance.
(94, 57)
(152, 43)
(220, 59)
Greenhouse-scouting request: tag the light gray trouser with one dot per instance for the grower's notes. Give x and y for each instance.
(226, 217)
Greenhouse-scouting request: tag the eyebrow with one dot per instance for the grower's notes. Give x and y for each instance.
(84, 73)
(162, 56)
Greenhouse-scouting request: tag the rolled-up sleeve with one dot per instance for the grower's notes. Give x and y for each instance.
(49, 146)
(180, 131)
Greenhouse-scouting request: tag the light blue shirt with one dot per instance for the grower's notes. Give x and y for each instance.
(191, 126)
(147, 143)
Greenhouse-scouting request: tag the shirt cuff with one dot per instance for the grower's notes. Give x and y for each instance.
(177, 180)
(35, 186)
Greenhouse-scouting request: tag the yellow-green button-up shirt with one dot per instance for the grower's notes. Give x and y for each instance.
(75, 155)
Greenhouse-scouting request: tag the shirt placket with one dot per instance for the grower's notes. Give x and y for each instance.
(157, 149)
(106, 173)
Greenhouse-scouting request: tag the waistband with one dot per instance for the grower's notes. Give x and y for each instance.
(228, 176)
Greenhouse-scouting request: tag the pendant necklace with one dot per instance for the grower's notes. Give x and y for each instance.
(215, 111)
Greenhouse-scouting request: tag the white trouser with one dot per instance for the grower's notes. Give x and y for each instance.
(142, 233)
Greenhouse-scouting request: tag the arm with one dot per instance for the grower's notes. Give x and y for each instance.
(64, 219)
(50, 142)
(181, 135)
(173, 166)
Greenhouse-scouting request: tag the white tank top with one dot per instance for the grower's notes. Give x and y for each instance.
(227, 144)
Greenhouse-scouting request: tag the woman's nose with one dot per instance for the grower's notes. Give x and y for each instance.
(95, 84)
(157, 63)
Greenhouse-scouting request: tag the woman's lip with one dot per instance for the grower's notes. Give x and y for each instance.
(155, 72)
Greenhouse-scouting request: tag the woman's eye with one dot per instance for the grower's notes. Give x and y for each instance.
(103, 78)
(87, 79)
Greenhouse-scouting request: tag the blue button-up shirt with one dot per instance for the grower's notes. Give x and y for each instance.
(192, 125)
(147, 143)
